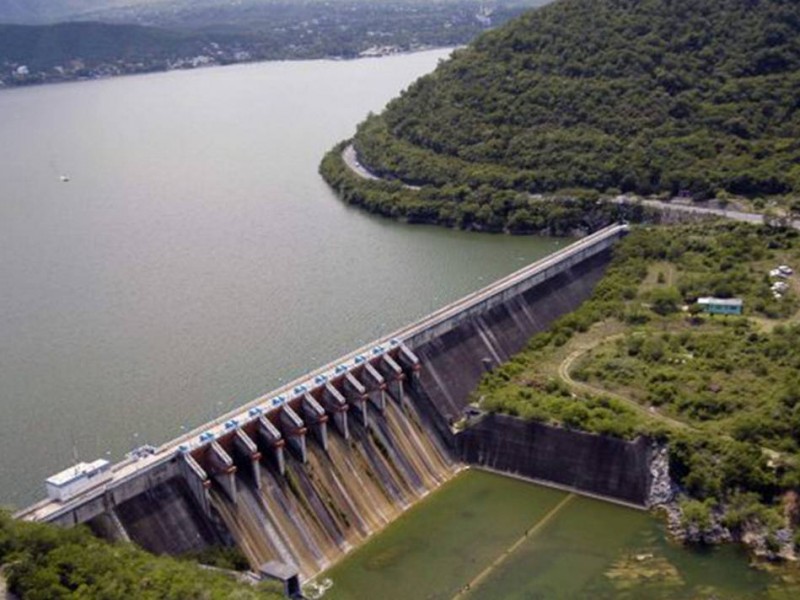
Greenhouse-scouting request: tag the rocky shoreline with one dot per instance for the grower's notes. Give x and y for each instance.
(667, 498)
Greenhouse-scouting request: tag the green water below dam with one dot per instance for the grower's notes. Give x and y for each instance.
(487, 537)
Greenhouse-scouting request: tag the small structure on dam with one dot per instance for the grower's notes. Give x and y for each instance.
(78, 478)
(300, 476)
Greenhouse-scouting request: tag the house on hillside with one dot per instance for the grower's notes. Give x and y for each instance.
(721, 306)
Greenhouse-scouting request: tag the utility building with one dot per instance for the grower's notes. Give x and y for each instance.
(721, 306)
(77, 479)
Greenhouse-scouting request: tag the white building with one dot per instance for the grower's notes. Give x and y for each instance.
(69, 483)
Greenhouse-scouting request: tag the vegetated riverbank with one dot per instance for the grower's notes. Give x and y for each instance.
(721, 392)
(357, 185)
(479, 208)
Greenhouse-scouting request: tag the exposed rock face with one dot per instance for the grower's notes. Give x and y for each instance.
(778, 546)
(674, 521)
(663, 494)
(662, 489)
(715, 533)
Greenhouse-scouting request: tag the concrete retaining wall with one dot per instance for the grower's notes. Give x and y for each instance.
(598, 465)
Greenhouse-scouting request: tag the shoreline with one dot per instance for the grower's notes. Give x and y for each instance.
(4, 87)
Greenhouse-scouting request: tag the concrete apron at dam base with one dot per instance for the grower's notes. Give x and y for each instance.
(380, 420)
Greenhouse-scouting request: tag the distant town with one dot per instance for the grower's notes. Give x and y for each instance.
(145, 40)
(16, 74)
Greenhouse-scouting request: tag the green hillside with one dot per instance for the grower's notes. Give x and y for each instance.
(644, 96)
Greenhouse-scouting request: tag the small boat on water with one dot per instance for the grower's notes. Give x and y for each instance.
(64, 178)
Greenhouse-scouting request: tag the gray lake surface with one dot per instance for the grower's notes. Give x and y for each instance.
(195, 259)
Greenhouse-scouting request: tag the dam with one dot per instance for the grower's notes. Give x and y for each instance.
(300, 476)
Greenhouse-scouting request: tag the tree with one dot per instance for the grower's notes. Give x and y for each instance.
(664, 301)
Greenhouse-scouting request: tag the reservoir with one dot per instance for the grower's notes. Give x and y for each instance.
(195, 259)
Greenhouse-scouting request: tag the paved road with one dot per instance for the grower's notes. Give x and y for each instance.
(351, 160)
(690, 208)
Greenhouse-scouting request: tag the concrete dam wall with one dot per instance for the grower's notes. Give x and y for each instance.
(302, 475)
(597, 465)
(456, 359)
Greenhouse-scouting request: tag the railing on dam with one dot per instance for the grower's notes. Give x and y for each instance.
(404, 340)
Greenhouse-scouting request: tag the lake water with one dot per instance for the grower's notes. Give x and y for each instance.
(195, 259)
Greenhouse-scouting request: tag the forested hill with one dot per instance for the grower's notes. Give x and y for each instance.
(642, 96)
